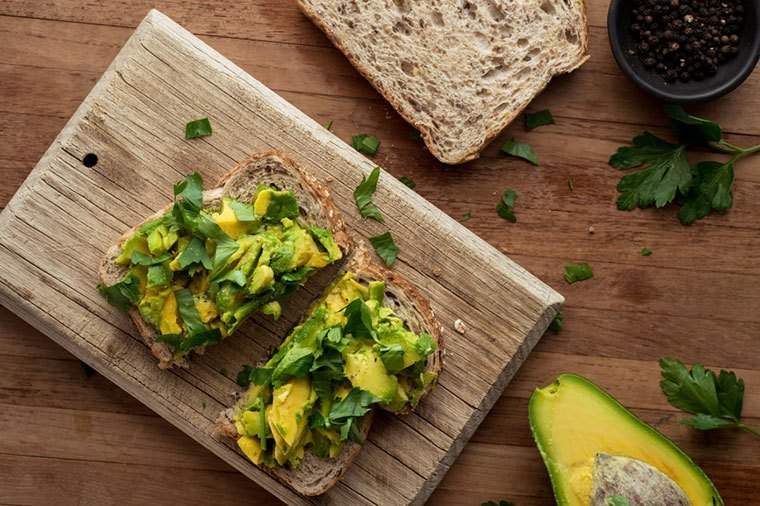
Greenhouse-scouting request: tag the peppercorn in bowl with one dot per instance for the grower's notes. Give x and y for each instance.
(685, 51)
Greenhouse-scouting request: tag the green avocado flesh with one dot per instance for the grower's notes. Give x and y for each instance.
(350, 354)
(595, 449)
(196, 274)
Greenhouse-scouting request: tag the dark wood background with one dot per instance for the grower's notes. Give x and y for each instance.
(69, 439)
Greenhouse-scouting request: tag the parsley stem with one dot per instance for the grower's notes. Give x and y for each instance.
(725, 147)
(755, 432)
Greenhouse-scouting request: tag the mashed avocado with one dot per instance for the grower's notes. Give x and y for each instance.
(350, 354)
(239, 259)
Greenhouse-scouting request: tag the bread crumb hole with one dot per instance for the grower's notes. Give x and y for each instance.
(495, 73)
(522, 42)
(495, 11)
(437, 18)
(401, 27)
(571, 36)
(409, 68)
(548, 7)
(402, 5)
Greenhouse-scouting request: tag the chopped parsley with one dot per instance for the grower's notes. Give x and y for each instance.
(409, 182)
(363, 196)
(365, 144)
(538, 119)
(520, 150)
(578, 272)
(645, 252)
(385, 247)
(198, 128)
(506, 206)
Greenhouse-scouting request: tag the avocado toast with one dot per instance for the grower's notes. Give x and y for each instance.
(371, 340)
(189, 275)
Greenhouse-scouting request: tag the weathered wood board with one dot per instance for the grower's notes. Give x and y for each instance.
(64, 216)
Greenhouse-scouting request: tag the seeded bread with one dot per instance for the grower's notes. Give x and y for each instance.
(269, 168)
(314, 475)
(458, 70)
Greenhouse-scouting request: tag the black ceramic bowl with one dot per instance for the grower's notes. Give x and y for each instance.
(730, 74)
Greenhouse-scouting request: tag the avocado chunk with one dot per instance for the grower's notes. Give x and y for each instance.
(251, 448)
(288, 415)
(365, 370)
(637, 481)
(573, 421)
(228, 220)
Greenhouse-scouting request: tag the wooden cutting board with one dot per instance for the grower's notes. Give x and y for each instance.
(65, 215)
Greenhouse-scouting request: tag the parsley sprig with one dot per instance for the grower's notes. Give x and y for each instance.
(714, 400)
(665, 175)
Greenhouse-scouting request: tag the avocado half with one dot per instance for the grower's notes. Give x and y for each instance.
(573, 421)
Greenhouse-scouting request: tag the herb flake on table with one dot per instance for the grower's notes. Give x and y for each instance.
(385, 247)
(506, 206)
(366, 144)
(570, 184)
(363, 196)
(328, 126)
(578, 272)
(198, 128)
(537, 119)
(409, 182)
(557, 322)
(645, 252)
(466, 216)
(714, 400)
(520, 150)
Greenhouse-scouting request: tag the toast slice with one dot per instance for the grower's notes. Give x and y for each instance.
(458, 71)
(314, 475)
(270, 168)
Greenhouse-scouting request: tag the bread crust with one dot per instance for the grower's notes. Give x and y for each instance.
(498, 124)
(110, 272)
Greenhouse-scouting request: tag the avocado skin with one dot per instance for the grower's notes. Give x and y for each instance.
(544, 444)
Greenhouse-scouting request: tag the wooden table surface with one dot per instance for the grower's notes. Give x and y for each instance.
(69, 439)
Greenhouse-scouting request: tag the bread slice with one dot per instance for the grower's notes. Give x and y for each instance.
(458, 70)
(271, 168)
(315, 475)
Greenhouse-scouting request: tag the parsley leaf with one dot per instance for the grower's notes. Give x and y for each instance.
(618, 500)
(328, 126)
(385, 247)
(195, 253)
(363, 196)
(506, 206)
(356, 403)
(243, 377)
(124, 294)
(692, 129)
(158, 275)
(143, 259)
(665, 171)
(188, 312)
(392, 357)
(243, 212)
(556, 323)
(425, 345)
(409, 182)
(645, 252)
(538, 119)
(466, 216)
(711, 191)
(358, 319)
(578, 272)
(366, 144)
(715, 400)
(198, 128)
(190, 190)
(520, 150)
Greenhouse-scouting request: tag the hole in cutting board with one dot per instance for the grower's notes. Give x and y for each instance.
(90, 160)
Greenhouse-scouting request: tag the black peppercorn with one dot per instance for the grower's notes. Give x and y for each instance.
(685, 39)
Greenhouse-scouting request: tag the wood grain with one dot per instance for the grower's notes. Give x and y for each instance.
(132, 120)
(637, 309)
